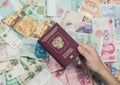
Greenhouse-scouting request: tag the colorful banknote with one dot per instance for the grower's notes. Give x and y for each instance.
(113, 11)
(52, 64)
(113, 1)
(7, 53)
(32, 68)
(12, 37)
(12, 82)
(61, 75)
(71, 18)
(17, 70)
(31, 48)
(7, 7)
(91, 8)
(34, 2)
(85, 27)
(104, 27)
(76, 76)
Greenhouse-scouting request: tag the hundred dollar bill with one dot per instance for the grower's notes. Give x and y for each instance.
(17, 70)
(91, 8)
(12, 37)
(71, 18)
(5, 66)
(104, 27)
(22, 23)
(32, 68)
(8, 7)
(8, 53)
(113, 11)
(2, 79)
(31, 48)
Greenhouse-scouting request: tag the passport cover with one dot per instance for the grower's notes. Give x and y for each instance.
(60, 45)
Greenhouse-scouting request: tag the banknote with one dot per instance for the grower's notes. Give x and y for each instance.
(2, 79)
(32, 68)
(104, 27)
(36, 12)
(17, 70)
(8, 7)
(93, 41)
(71, 18)
(34, 2)
(12, 37)
(113, 12)
(113, 1)
(31, 48)
(8, 53)
(52, 65)
(76, 76)
(61, 75)
(43, 78)
(85, 27)
(12, 82)
(5, 66)
(91, 8)
(22, 23)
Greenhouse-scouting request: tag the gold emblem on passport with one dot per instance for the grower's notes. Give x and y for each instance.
(58, 42)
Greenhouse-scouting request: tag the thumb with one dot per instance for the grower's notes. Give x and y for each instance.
(83, 52)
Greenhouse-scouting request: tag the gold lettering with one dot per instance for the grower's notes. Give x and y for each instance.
(68, 52)
(49, 35)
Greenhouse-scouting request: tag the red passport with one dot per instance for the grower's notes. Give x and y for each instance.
(60, 45)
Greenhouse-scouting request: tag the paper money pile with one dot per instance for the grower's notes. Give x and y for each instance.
(22, 22)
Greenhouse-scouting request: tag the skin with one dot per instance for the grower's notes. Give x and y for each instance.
(94, 63)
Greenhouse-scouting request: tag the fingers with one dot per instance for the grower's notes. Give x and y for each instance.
(83, 52)
(87, 47)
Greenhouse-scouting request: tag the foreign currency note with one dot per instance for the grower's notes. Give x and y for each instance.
(71, 18)
(22, 23)
(94, 41)
(76, 76)
(31, 48)
(5, 66)
(32, 68)
(52, 65)
(91, 8)
(61, 75)
(8, 7)
(85, 27)
(113, 12)
(12, 37)
(2, 79)
(17, 70)
(35, 12)
(113, 1)
(8, 53)
(42, 78)
(34, 2)
(104, 27)
(12, 82)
